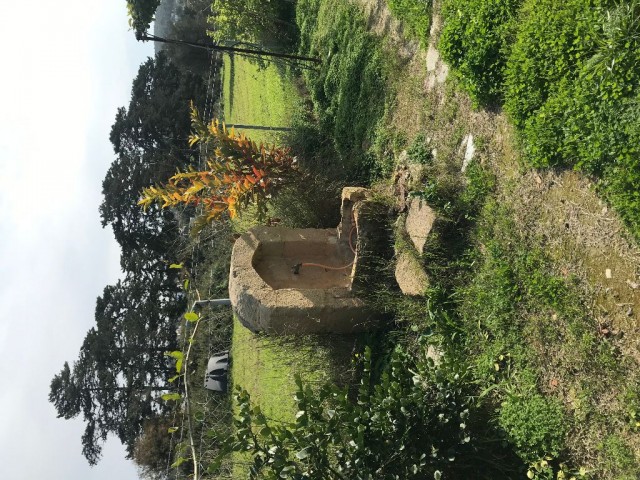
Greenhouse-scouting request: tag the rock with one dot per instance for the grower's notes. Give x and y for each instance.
(432, 58)
(417, 174)
(437, 70)
(435, 353)
(469, 152)
(410, 275)
(408, 176)
(401, 186)
(268, 295)
(420, 220)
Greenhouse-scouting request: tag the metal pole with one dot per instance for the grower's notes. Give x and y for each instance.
(220, 48)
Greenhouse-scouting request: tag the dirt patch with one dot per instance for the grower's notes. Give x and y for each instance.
(587, 241)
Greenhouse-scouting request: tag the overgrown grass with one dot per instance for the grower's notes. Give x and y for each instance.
(265, 366)
(351, 87)
(416, 15)
(538, 352)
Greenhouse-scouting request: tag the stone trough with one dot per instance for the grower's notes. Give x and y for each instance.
(298, 281)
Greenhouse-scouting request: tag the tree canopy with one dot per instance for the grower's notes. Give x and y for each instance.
(141, 14)
(150, 141)
(122, 366)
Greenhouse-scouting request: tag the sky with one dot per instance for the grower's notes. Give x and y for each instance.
(66, 67)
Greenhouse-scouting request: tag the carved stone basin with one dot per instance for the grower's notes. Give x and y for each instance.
(299, 281)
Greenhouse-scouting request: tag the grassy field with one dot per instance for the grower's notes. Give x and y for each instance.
(265, 366)
(257, 96)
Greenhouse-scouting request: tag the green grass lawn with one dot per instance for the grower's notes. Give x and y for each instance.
(265, 366)
(257, 96)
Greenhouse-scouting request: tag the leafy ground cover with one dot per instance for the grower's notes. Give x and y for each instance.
(415, 14)
(349, 91)
(568, 77)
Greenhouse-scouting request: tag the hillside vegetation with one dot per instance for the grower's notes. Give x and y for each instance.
(567, 74)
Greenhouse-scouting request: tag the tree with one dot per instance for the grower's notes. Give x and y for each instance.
(122, 368)
(150, 139)
(141, 14)
(239, 172)
(191, 25)
(253, 21)
(153, 449)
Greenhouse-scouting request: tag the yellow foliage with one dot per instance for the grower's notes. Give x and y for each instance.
(238, 172)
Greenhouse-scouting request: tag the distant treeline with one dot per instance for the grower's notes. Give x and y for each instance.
(121, 370)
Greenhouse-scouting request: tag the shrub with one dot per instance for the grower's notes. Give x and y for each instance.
(572, 88)
(420, 151)
(415, 421)
(239, 173)
(552, 40)
(569, 82)
(475, 40)
(416, 15)
(535, 425)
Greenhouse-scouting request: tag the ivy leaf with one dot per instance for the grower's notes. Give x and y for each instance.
(179, 356)
(191, 317)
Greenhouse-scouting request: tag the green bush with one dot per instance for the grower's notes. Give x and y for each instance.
(475, 40)
(535, 425)
(420, 151)
(552, 40)
(416, 15)
(572, 89)
(568, 73)
(415, 421)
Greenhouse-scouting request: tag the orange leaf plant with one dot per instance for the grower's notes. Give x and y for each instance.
(239, 172)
